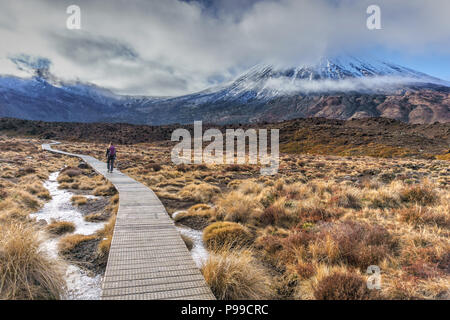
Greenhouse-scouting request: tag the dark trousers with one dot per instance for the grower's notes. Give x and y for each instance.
(110, 163)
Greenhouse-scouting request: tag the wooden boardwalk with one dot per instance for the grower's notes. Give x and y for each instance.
(148, 259)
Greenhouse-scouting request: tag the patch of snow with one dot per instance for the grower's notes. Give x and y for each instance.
(80, 285)
(60, 208)
(199, 252)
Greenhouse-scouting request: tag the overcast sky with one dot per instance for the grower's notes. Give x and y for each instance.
(171, 47)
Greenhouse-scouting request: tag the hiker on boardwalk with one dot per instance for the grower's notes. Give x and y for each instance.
(110, 156)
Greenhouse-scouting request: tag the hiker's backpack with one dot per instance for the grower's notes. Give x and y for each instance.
(112, 151)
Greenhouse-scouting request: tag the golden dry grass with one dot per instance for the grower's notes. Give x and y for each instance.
(236, 275)
(79, 200)
(67, 244)
(226, 234)
(320, 217)
(238, 207)
(60, 227)
(27, 272)
(202, 192)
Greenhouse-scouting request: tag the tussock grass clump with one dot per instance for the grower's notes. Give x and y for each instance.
(304, 270)
(353, 243)
(30, 201)
(238, 167)
(96, 217)
(419, 215)
(350, 200)
(108, 229)
(220, 234)
(154, 166)
(342, 286)
(106, 234)
(25, 171)
(250, 188)
(384, 201)
(105, 190)
(71, 172)
(198, 211)
(60, 227)
(238, 207)
(281, 250)
(38, 190)
(273, 214)
(79, 200)
(115, 199)
(236, 275)
(26, 272)
(69, 243)
(203, 192)
(423, 195)
(68, 175)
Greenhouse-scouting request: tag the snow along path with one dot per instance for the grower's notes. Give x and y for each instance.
(148, 259)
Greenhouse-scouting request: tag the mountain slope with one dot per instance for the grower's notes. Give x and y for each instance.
(38, 99)
(341, 88)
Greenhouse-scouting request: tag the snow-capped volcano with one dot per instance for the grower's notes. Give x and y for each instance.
(340, 74)
(342, 87)
(344, 67)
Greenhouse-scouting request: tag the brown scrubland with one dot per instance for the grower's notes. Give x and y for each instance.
(335, 207)
(312, 230)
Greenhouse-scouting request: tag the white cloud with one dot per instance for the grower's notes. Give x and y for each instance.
(369, 84)
(171, 47)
